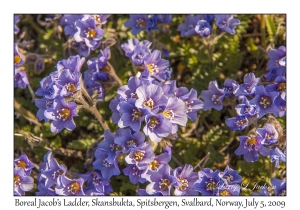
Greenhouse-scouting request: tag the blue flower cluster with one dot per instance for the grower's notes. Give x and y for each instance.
(23, 182)
(202, 24)
(62, 83)
(54, 179)
(149, 22)
(152, 98)
(255, 102)
(86, 30)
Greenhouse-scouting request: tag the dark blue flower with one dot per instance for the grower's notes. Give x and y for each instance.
(151, 24)
(163, 18)
(25, 163)
(245, 108)
(136, 23)
(107, 169)
(230, 87)
(22, 182)
(48, 88)
(128, 140)
(213, 97)
(248, 88)
(279, 186)
(208, 183)
(95, 183)
(188, 27)
(264, 101)
(281, 106)
(277, 63)
(69, 22)
(62, 115)
(70, 187)
(237, 123)
(185, 180)
(250, 147)
(209, 18)
(109, 146)
(203, 28)
(53, 173)
(161, 181)
(131, 115)
(227, 23)
(69, 82)
(43, 190)
(279, 86)
(230, 176)
(134, 173)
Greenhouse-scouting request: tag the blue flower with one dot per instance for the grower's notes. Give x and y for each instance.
(237, 123)
(264, 102)
(279, 86)
(209, 18)
(107, 169)
(128, 140)
(248, 88)
(99, 18)
(43, 104)
(157, 127)
(134, 173)
(151, 24)
(161, 181)
(53, 173)
(188, 27)
(136, 23)
(73, 63)
(25, 163)
(279, 186)
(43, 190)
(141, 156)
(48, 88)
(245, 108)
(277, 155)
(277, 63)
(230, 87)
(22, 182)
(109, 146)
(20, 78)
(213, 97)
(250, 147)
(62, 115)
(281, 106)
(193, 104)
(163, 18)
(155, 66)
(95, 183)
(67, 186)
(132, 44)
(208, 183)
(268, 133)
(227, 23)
(89, 33)
(203, 28)
(69, 82)
(69, 22)
(185, 180)
(230, 176)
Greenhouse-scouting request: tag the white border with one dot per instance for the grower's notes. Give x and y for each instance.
(153, 6)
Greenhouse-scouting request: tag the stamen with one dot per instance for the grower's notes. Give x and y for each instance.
(164, 184)
(91, 33)
(153, 122)
(74, 187)
(184, 184)
(265, 101)
(136, 115)
(149, 103)
(138, 155)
